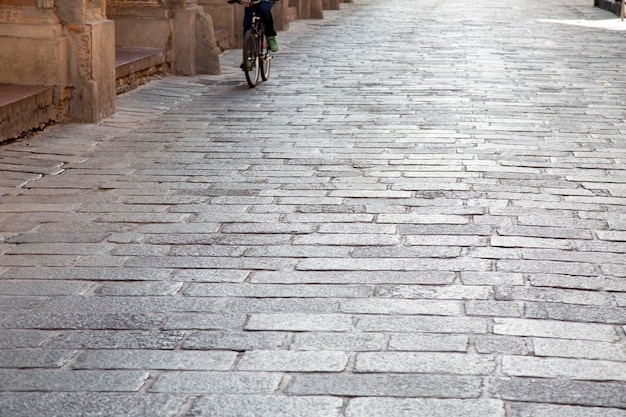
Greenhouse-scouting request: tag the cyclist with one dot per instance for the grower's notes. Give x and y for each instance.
(264, 10)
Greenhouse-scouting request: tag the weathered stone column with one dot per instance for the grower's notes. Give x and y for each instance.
(91, 58)
(331, 4)
(317, 9)
(280, 12)
(195, 50)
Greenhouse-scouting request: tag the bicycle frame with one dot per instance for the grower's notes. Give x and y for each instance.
(256, 53)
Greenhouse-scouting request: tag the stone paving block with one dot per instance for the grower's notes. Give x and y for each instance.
(277, 291)
(101, 261)
(139, 250)
(386, 385)
(364, 407)
(428, 342)
(115, 339)
(176, 228)
(405, 252)
(614, 270)
(236, 340)
(446, 240)
(60, 249)
(491, 278)
(137, 305)
(530, 242)
(206, 382)
(543, 410)
(546, 267)
(554, 329)
(446, 229)
(89, 404)
(300, 322)
(561, 221)
(422, 324)
(422, 219)
(582, 283)
(552, 295)
(74, 381)
(268, 228)
(42, 260)
(42, 288)
(399, 264)
(34, 358)
(205, 250)
(299, 251)
(209, 262)
(19, 304)
(559, 391)
(350, 277)
(434, 292)
(493, 308)
(203, 321)
(564, 368)
(328, 218)
(358, 228)
(285, 306)
(581, 349)
(573, 256)
(155, 359)
(579, 313)
(210, 275)
(293, 361)
(126, 208)
(236, 218)
(545, 232)
(489, 344)
(353, 239)
(89, 274)
(13, 339)
(138, 288)
(401, 306)
(266, 406)
(58, 238)
(424, 362)
(351, 342)
(37, 208)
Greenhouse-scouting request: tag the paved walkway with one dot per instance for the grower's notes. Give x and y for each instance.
(422, 213)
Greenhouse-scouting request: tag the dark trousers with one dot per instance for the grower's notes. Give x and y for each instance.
(264, 10)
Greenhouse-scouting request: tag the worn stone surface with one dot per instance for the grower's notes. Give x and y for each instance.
(421, 213)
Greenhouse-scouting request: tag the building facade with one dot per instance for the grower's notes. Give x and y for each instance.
(66, 60)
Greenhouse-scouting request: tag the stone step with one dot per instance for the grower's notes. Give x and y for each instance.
(25, 108)
(614, 6)
(135, 66)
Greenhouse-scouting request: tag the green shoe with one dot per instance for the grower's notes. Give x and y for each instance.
(271, 40)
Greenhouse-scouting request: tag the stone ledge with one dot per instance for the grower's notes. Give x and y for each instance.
(25, 108)
(610, 5)
(135, 66)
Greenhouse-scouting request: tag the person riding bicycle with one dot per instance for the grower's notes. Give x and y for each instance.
(263, 8)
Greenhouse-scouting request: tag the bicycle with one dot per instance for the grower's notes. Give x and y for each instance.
(256, 50)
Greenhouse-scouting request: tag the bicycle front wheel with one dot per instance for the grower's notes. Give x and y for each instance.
(251, 65)
(265, 58)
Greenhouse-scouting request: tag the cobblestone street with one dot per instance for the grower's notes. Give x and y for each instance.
(422, 213)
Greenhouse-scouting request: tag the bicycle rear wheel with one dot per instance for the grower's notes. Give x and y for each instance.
(265, 57)
(251, 64)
